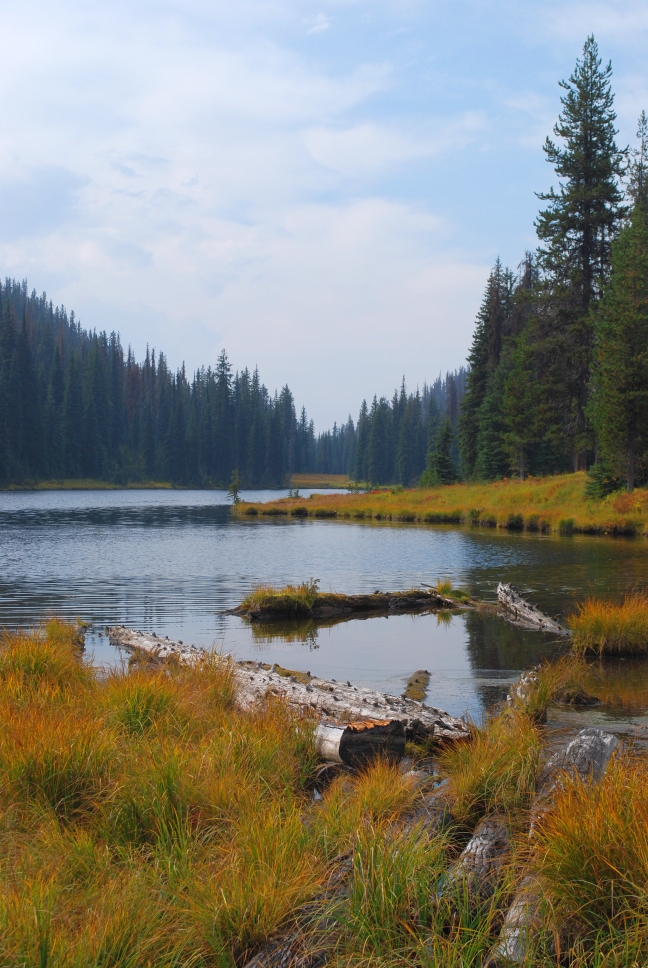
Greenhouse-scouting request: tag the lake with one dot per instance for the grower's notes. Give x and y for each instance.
(172, 561)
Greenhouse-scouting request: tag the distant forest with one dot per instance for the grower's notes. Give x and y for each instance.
(556, 378)
(74, 404)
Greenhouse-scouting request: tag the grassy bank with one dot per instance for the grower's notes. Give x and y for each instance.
(319, 480)
(556, 504)
(146, 820)
(86, 484)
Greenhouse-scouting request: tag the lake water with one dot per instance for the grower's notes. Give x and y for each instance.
(173, 561)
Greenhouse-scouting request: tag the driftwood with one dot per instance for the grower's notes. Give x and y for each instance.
(518, 611)
(327, 700)
(354, 744)
(481, 864)
(586, 757)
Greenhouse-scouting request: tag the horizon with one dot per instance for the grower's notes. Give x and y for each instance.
(321, 190)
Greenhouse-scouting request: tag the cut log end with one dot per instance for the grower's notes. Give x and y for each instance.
(355, 744)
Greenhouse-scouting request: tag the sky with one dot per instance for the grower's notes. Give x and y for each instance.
(320, 187)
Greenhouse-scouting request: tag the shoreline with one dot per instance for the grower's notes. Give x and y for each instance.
(550, 505)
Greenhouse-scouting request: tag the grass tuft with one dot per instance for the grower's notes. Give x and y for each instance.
(496, 769)
(612, 628)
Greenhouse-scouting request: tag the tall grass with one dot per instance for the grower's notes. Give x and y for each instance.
(612, 628)
(147, 821)
(593, 852)
(558, 504)
(494, 771)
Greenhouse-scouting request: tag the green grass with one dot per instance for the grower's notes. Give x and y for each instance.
(289, 600)
(494, 771)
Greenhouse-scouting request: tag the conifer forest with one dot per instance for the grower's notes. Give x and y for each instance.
(556, 378)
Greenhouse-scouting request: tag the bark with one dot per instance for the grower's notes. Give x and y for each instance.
(586, 757)
(520, 612)
(355, 744)
(481, 865)
(342, 703)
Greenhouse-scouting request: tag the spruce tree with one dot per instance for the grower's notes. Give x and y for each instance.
(483, 358)
(619, 405)
(576, 230)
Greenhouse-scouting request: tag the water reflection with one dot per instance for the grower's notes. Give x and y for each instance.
(174, 561)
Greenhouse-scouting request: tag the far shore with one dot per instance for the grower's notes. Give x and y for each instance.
(90, 484)
(559, 504)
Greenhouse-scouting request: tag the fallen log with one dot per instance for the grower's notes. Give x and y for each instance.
(586, 757)
(518, 611)
(354, 744)
(480, 867)
(324, 699)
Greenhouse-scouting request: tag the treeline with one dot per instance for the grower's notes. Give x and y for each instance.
(558, 376)
(74, 404)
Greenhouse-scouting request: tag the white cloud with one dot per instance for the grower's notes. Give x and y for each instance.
(365, 147)
(317, 24)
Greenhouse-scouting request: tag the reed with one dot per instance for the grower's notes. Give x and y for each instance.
(612, 628)
(558, 504)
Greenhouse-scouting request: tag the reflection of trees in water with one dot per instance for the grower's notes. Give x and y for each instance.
(303, 631)
(495, 646)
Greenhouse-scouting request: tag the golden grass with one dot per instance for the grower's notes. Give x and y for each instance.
(289, 600)
(319, 480)
(593, 851)
(496, 770)
(556, 504)
(147, 820)
(611, 628)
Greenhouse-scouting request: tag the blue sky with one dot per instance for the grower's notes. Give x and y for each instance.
(319, 187)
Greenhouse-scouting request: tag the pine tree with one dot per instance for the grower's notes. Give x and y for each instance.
(576, 230)
(483, 358)
(619, 406)
(360, 470)
(443, 468)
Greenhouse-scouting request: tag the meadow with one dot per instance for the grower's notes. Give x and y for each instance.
(147, 820)
(558, 504)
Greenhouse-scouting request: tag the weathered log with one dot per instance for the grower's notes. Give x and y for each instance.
(480, 867)
(355, 744)
(327, 700)
(330, 604)
(586, 757)
(520, 612)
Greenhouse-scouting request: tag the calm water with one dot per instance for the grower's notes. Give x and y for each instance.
(173, 561)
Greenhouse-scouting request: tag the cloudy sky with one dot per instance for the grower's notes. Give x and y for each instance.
(319, 186)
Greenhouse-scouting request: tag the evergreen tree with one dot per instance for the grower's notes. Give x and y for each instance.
(361, 470)
(576, 230)
(483, 359)
(442, 469)
(619, 406)
(492, 460)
